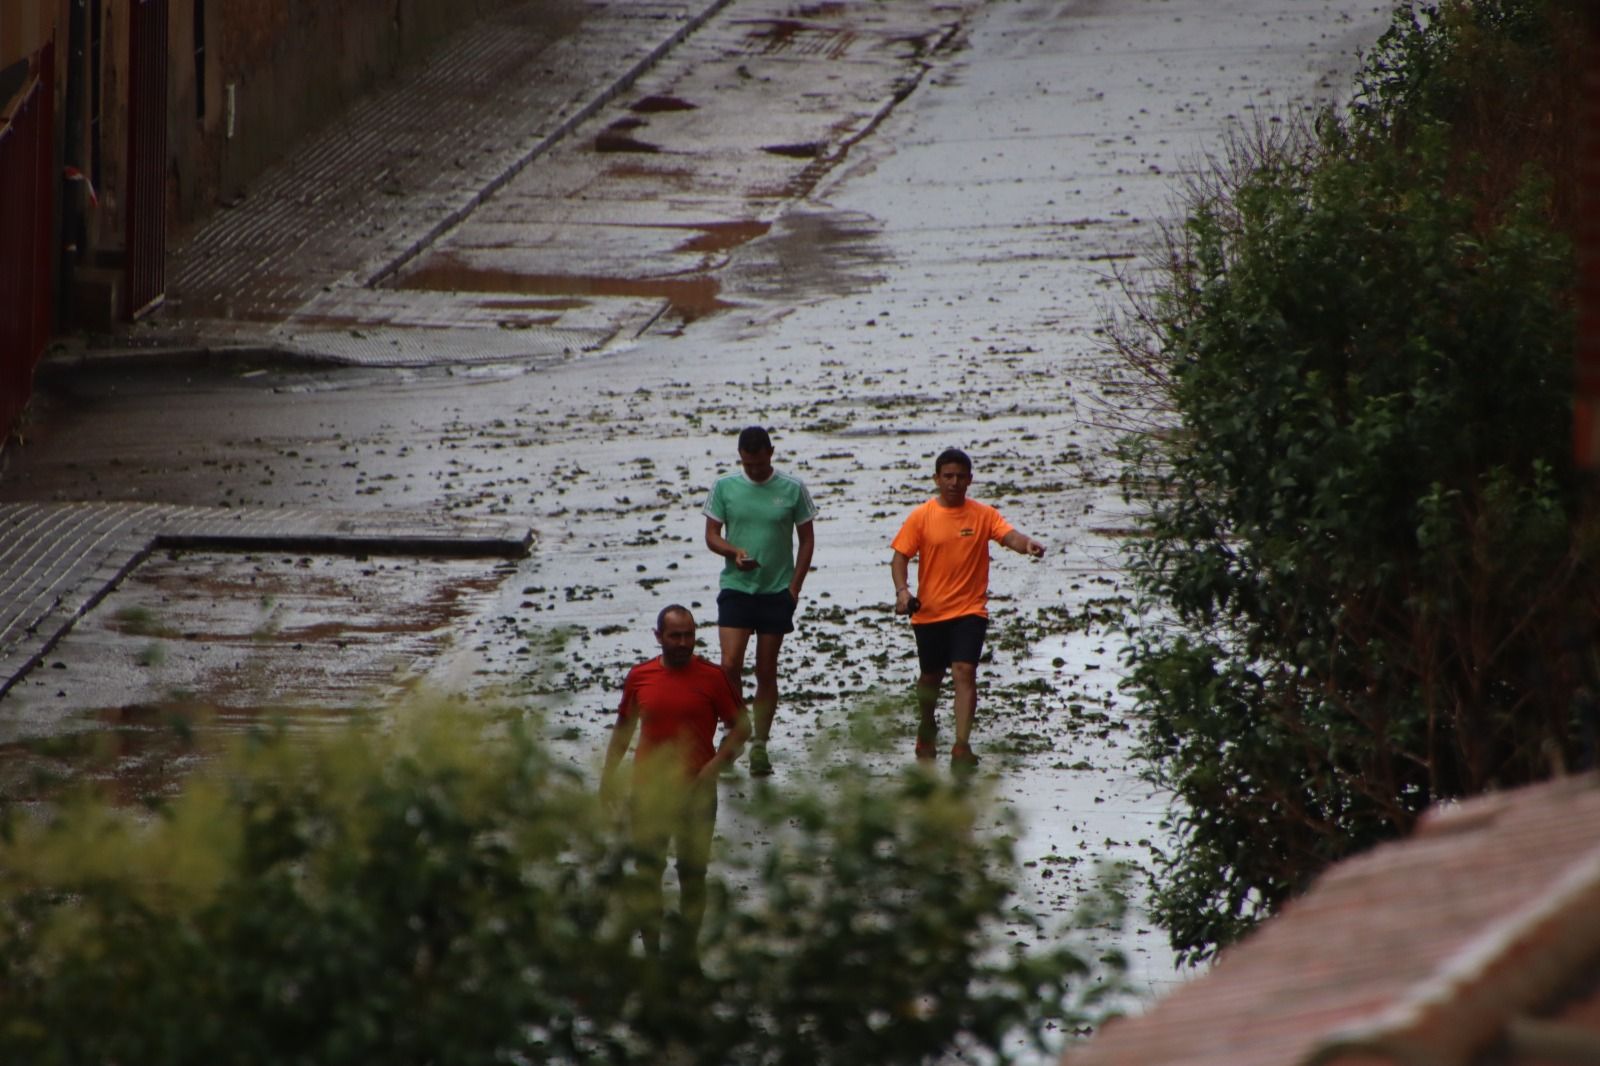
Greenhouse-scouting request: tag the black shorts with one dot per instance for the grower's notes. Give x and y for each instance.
(764, 612)
(955, 640)
(684, 824)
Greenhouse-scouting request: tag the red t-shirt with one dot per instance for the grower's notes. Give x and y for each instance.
(951, 546)
(678, 708)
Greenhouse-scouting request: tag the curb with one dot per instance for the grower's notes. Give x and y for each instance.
(194, 353)
(122, 541)
(454, 547)
(577, 118)
(198, 349)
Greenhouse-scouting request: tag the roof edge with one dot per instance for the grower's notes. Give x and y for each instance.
(1509, 969)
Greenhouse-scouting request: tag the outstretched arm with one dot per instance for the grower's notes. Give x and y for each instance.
(1022, 544)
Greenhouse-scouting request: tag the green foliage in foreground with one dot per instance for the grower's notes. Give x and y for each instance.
(1364, 565)
(442, 893)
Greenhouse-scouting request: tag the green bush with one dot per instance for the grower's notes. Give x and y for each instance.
(1364, 566)
(445, 893)
(1503, 77)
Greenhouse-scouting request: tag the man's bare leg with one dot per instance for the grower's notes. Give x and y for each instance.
(734, 642)
(964, 677)
(927, 701)
(765, 705)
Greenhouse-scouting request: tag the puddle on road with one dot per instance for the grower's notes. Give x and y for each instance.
(532, 305)
(809, 254)
(801, 256)
(651, 105)
(618, 137)
(689, 297)
(804, 150)
(194, 649)
(721, 236)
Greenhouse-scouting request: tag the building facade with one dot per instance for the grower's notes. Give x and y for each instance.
(124, 121)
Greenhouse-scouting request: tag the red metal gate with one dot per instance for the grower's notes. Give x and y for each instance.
(1586, 402)
(27, 204)
(147, 157)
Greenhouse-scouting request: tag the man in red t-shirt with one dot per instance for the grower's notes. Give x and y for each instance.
(674, 701)
(949, 537)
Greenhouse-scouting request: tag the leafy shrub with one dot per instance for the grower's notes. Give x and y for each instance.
(439, 893)
(1365, 567)
(1502, 76)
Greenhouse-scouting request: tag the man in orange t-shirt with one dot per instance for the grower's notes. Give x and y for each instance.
(949, 537)
(675, 702)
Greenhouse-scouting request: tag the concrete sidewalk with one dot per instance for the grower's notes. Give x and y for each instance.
(58, 560)
(412, 232)
(350, 207)
(362, 198)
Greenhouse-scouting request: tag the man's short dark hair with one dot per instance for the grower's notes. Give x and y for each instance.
(754, 439)
(661, 617)
(953, 455)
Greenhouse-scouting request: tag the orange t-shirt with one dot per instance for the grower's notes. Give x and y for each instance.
(951, 546)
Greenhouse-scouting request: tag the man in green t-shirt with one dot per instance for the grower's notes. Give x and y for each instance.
(754, 520)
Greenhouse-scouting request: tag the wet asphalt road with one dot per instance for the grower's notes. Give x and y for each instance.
(941, 283)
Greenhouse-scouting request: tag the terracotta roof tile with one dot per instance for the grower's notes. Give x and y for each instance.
(1430, 945)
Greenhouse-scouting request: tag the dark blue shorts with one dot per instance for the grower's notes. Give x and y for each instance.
(763, 612)
(955, 640)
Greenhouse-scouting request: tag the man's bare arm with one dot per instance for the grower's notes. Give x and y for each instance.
(725, 548)
(732, 744)
(621, 738)
(1022, 544)
(900, 569)
(806, 538)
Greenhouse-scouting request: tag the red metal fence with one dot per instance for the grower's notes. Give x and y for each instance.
(27, 197)
(1586, 405)
(147, 156)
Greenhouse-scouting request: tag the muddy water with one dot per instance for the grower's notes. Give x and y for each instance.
(193, 649)
(688, 298)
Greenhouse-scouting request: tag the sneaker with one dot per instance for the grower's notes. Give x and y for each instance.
(962, 760)
(927, 744)
(760, 765)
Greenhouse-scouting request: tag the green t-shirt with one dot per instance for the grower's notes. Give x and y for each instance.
(760, 518)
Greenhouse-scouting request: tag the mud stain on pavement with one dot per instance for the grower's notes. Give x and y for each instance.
(689, 297)
(720, 236)
(633, 170)
(618, 137)
(651, 105)
(139, 751)
(195, 649)
(772, 36)
(805, 150)
(533, 305)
